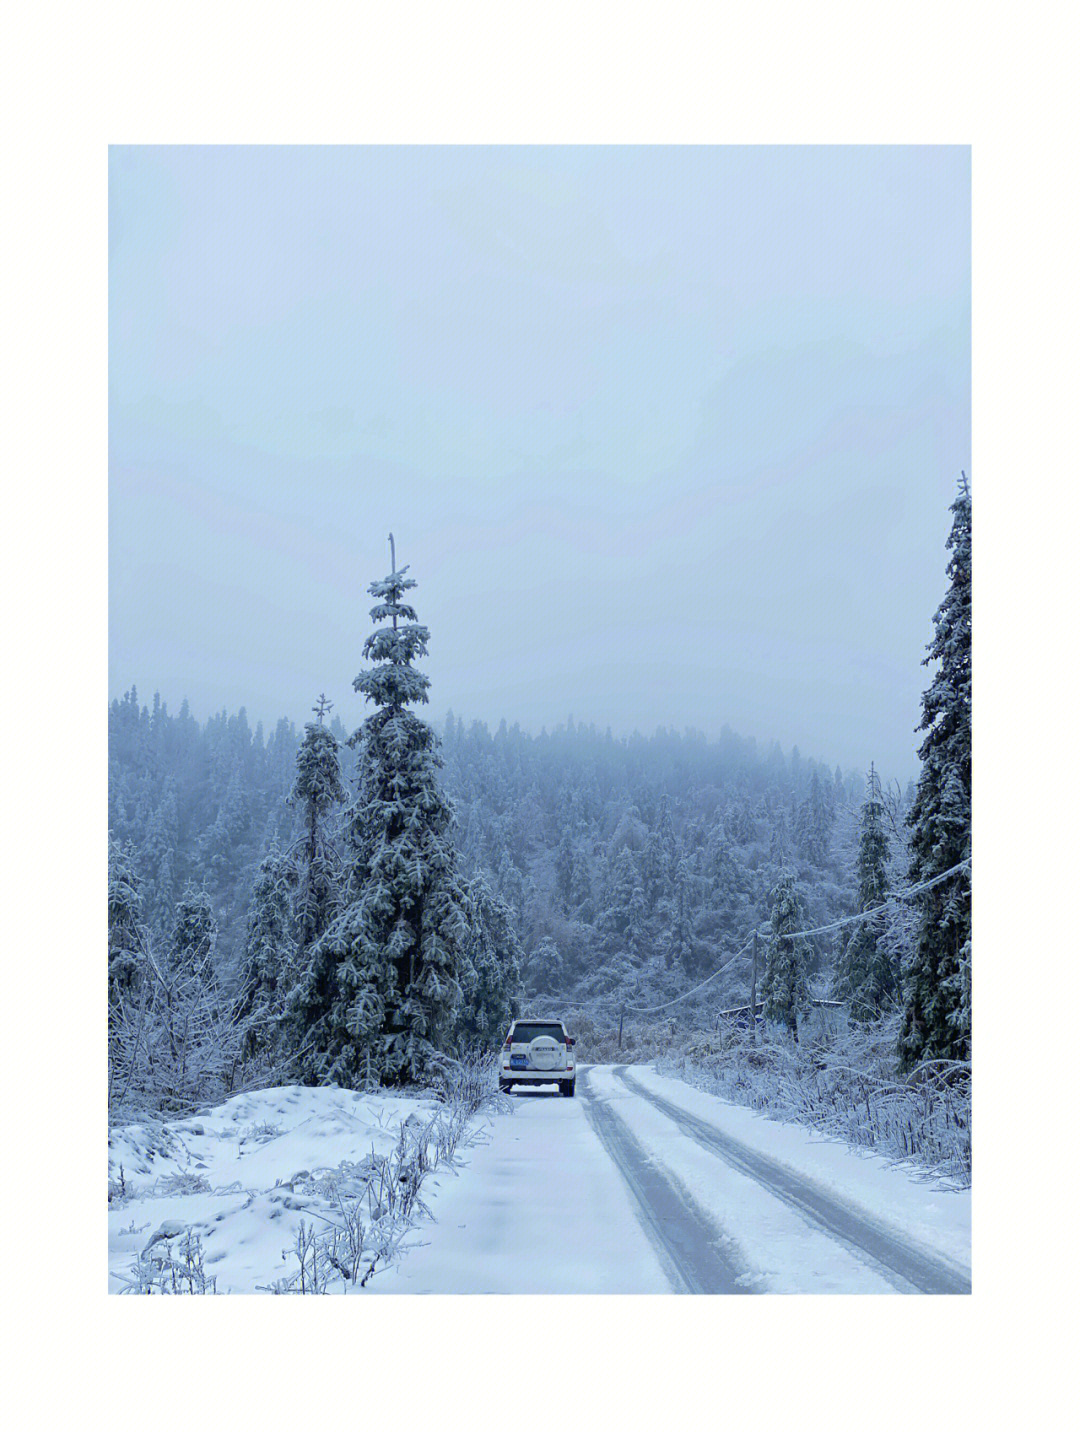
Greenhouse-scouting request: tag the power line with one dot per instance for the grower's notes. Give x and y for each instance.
(807, 933)
(880, 909)
(633, 1008)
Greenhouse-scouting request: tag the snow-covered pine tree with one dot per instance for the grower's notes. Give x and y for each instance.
(545, 971)
(581, 893)
(725, 915)
(269, 957)
(937, 983)
(512, 888)
(129, 983)
(317, 789)
(492, 967)
(191, 951)
(815, 821)
(390, 961)
(564, 866)
(158, 864)
(637, 923)
(738, 821)
(125, 922)
(679, 942)
(867, 973)
(192, 1048)
(784, 989)
(873, 861)
(659, 859)
(779, 838)
(623, 881)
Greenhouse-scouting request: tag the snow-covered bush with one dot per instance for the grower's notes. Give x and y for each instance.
(369, 1206)
(359, 1233)
(470, 1084)
(158, 1270)
(842, 1081)
(183, 1183)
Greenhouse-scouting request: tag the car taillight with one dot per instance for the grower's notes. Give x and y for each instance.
(506, 1045)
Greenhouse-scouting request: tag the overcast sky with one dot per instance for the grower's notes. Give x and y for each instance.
(666, 436)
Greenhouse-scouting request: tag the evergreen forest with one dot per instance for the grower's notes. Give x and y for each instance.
(358, 907)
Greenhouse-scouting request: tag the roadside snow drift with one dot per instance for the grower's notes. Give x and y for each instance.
(242, 1176)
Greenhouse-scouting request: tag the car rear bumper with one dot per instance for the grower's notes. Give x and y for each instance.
(535, 1076)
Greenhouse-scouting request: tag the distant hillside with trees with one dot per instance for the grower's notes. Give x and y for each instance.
(396, 888)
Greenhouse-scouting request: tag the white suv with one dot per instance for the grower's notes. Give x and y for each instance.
(537, 1051)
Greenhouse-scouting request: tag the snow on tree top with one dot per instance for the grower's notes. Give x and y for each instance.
(399, 646)
(392, 585)
(390, 611)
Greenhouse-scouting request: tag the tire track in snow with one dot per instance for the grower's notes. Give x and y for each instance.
(889, 1254)
(695, 1255)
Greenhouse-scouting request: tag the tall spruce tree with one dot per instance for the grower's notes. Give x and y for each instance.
(725, 912)
(659, 861)
(867, 974)
(784, 989)
(317, 789)
(937, 983)
(623, 882)
(814, 823)
(679, 940)
(389, 962)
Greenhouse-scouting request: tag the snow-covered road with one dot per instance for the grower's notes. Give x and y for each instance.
(539, 1208)
(639, 1185)
(779, 1194)
(645, 1185)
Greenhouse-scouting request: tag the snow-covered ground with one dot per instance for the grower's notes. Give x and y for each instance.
(604, 1193)
(239, 1176)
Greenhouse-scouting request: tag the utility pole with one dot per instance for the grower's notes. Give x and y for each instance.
(753, 992)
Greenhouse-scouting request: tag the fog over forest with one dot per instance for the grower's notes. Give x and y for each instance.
(565, 824)
(666, 434)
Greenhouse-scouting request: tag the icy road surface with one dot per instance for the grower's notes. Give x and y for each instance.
(644, 1185)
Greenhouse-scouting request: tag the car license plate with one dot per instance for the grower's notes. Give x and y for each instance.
(518, 1061)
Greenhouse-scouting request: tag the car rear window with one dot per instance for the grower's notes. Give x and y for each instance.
(526, 1033)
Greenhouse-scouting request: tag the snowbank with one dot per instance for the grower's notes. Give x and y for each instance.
(242, 1176)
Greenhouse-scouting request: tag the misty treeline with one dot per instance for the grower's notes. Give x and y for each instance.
(358, 909)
